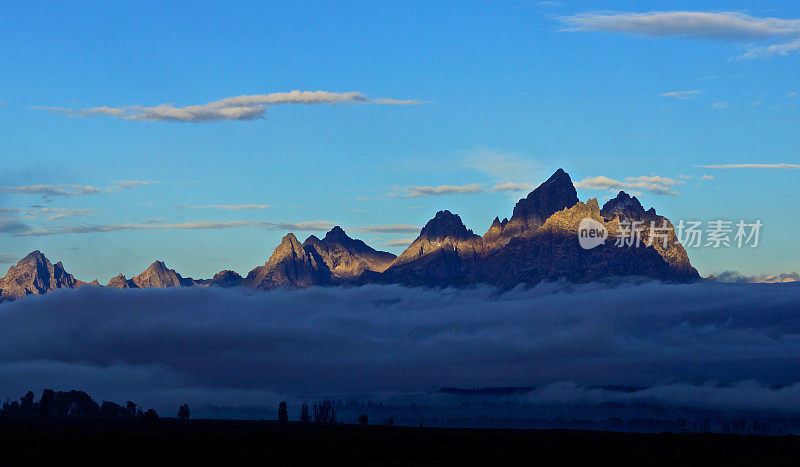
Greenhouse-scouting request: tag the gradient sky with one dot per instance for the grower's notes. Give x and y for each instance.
(449, 94)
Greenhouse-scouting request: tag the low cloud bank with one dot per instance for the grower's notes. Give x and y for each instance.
(707, 345)
(736, 276)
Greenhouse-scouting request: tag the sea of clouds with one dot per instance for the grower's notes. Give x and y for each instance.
(702, 345)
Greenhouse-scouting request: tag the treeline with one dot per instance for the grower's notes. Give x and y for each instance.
(79, 404)
(74, 403)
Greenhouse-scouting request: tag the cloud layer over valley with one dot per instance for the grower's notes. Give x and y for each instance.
(212, 346)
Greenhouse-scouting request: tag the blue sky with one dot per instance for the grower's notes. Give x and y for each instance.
(479, 94)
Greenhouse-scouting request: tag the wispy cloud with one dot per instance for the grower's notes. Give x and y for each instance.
(784, 49)
(503, 166)
(720, 105)
(394, 228)
(118, 185)
(49, 191)
(193, 225)
(708, 25)
(5, 259)
(645, 183)
(229, 207)
(61, 213)
(683, 95)
(735, 276)
(511, 186)
(423, 191)
(732, 26)
(53, 190)
(246, 107)
(442, 190)
(707, 177)
(13, 226)
(752, 166)
(400, 242)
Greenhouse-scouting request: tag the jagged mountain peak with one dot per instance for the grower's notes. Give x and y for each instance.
(623, 201)
(347, 257)
(35, 274)
(337, 237)
(226, 278)
(159, 275)
(446, 224)
(289, 246)
(158, 265)
(336, 233)
(291, 265)
(494, 231)
(625, 206)
(121, 282)
(530, 213)
(553, 195)
(35, 255)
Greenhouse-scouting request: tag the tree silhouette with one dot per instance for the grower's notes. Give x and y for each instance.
(324, 412)
(183, 411)
(283, 414)
(110, 409)
(130, 409)
(150, 417)
(47, 403)
(304, 416)
(75, 404)
(363, 420)
(27, 406)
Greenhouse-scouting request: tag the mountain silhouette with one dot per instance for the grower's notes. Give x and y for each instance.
(539, 242)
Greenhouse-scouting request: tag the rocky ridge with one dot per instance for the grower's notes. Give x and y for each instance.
(537, 243)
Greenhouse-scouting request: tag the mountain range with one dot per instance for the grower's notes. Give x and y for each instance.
(539, 242)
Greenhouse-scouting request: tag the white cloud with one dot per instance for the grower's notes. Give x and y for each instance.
(683, 95)
(471, 188)
(394, 228)
(784, 49)
(732, 26)
(193, 225)
(118, 185)
(645, 183)
(751, 166)
(707, 25)
(707, 177)
(53, 190)
(423, 191)
(61, 213)
(400, 242)
(511, 186)
(720, 105)
(48, 191)
(247, 107)
(735, 276)
(229, 207)
(793, 95)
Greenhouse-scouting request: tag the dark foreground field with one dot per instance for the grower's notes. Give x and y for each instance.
(28, 441)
